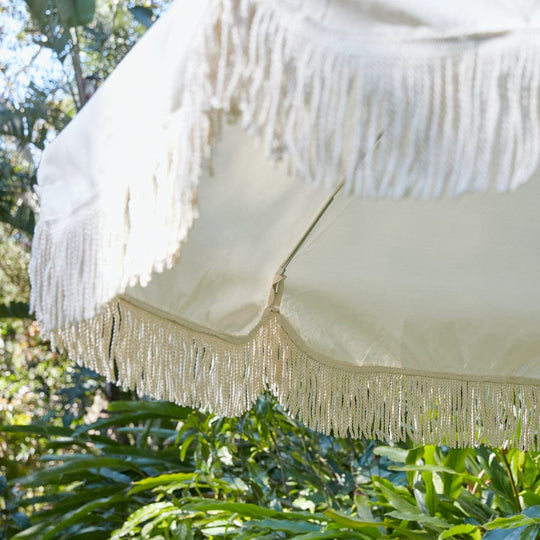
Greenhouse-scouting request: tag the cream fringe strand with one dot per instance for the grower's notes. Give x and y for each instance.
(174, 361)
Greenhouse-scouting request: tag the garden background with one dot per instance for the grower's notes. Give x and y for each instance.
(80, 459)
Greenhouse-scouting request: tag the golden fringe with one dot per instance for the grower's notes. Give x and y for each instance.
(176, 362)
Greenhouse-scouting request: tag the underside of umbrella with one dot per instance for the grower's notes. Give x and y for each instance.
(362, 249)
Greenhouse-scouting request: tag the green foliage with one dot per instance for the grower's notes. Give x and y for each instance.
(152, 469)
(76, 12)
(38, 387)
(14, 282)
(40, 393)
(93, 35)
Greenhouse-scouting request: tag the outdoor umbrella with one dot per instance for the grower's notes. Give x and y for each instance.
(363, 250)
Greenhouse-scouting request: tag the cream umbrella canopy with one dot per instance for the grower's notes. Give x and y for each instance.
(368, 152)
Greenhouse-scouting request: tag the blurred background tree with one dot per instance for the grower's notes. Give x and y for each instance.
(53, 56)
(75, 464)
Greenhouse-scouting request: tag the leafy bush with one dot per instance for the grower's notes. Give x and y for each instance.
(36, 386)
(152, 469)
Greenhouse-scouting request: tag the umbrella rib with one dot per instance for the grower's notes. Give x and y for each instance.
(305, 236)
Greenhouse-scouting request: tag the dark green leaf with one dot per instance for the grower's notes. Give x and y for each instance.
(350, 521)
(162, 481)
(143, 14)
(246, 509)
(285, 525)
(162, 408)
(73, 516)
(18, 310)
(21, 519)
(75, 12)
(3, 486)
(55, 475)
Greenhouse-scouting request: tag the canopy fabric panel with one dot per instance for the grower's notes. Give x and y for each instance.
(411, 309)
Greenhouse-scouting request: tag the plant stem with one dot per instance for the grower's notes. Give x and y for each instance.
(280, 459)
(76, 59)
(511, 477)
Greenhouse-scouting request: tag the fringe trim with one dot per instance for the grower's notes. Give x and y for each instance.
(79, 265)
(390, 119)
(168, 360)
(387, 119)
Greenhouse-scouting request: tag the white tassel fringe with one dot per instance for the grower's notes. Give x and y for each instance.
(388, 120)
(169, 360)
(421, 118)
